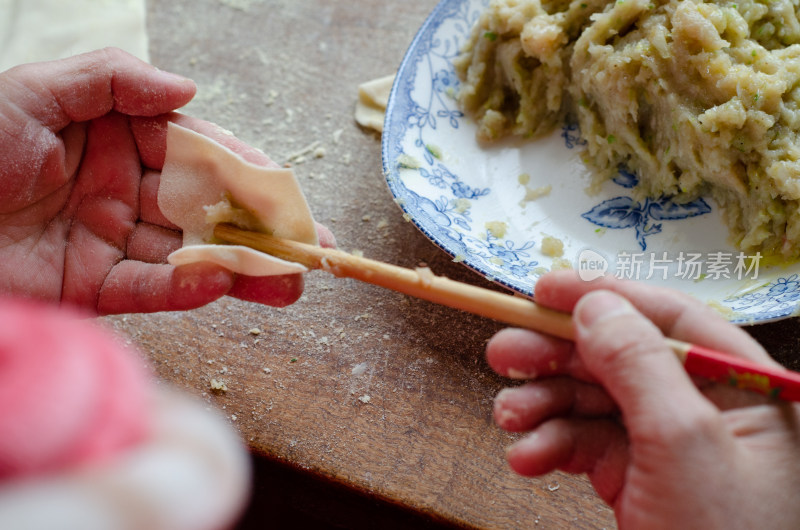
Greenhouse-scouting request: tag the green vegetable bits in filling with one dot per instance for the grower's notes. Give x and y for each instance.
(694, 97)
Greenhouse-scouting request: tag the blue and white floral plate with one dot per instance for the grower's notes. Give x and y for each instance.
(471, 199)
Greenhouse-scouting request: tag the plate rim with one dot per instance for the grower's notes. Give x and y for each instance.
(434, 19)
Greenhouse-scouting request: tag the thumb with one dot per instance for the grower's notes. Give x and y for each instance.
(627, 354)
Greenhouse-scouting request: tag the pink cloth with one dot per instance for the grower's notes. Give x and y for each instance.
(70, 392)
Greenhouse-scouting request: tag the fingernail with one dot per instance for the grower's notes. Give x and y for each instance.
(524, 445)
(597, 306)
(175, 78)
(505, 415)
(513, 373)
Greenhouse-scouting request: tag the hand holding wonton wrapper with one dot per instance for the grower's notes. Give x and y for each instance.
(79, 220)
(203, 183)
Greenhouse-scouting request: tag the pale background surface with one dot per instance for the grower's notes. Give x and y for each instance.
(41, 30)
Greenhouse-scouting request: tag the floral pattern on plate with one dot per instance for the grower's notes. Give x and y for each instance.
(474, 201)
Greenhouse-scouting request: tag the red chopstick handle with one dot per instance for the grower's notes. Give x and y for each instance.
(723, 368)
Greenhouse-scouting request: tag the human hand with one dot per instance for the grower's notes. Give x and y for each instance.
(662, 450)
(83, 140)
(91, 439)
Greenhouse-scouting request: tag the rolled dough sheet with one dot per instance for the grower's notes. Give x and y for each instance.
(43, 30)
(199, 173)
(373, 96)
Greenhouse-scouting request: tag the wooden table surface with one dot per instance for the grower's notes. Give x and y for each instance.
(383, 393)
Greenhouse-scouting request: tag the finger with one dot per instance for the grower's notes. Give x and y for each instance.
(87, 86)
(726, 397)
(561, 290)
(525, 354)
(90, 396)
(87, 263)
(152, 244)
(151, 139)
(676, 314)
(110, 175)
(136, 287)
(523, 408)
(761, 420)
(325, 236)
(627, 354)
(149, 211)
(276, 291)
(102, 209)
(596, 447)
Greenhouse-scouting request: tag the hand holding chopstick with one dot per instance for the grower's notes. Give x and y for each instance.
(510, 309)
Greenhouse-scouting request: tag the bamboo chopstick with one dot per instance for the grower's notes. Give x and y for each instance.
(506, 308)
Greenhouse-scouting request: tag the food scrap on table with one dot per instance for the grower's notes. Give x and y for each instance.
(373, 96)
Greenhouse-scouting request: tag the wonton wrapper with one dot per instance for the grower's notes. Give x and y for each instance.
(199, 172)
(373, 96)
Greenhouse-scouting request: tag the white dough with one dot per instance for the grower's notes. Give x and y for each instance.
(43, 30)
(198, 173)
(235, 258)
(373, 96)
